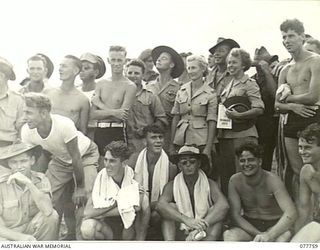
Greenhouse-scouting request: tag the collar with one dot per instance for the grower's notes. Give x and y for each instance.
(204, 88)
(243, 79)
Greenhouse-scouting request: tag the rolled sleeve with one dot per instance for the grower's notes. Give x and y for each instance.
(254, 95)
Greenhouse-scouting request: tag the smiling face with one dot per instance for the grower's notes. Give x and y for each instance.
(33, 116)
(117, 60)
(309, 151)
(194, 70)
(249, 164)
(22, 163)
(134, 73)
(37, 71)
(220, 54)
(292, 41)
(189, 165)
(234, 66)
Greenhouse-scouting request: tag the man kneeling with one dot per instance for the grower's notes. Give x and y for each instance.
(192, 200)
(110, 212)
(26, 211)
(261, 207)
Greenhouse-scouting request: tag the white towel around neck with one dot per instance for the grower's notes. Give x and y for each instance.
(160, 175)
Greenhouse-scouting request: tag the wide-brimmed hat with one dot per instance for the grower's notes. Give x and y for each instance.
(19, 148)
(240, 104)
(190, 150)
(50, 66)
(95, 59)
(224, 41)
(7, 68)
(178, 68)
(263, 54)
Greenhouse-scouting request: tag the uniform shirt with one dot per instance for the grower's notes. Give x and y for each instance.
(218, 84)
(16, 204)
(244, 87)
(195, 112)
(144, 111)
(11, 116)
(166, 94)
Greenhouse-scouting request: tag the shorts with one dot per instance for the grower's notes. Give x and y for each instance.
(116, 225)
(296, 123)
(261, 225)
(103, 136)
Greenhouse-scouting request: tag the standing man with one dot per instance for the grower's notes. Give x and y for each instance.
(25, 197)
(37, 70)
(72, 157)
(199, 206)
(170, 65)
(301, 76)
(261, 207)
(149, 74)
(67, 100)
(112, 101)
(11, 106)
(146, 109)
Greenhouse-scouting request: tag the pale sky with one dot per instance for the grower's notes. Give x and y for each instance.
(60, 27)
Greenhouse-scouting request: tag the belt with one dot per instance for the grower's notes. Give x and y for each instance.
(110, 125)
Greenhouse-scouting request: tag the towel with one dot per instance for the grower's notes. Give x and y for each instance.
(202, 198)
(106, 192)
(283, 90)
(160, 175)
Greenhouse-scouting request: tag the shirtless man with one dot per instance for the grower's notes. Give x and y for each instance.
(112, 100)
(192, 200)
(309, 150)
(261, 207)
(67, 100)
(301, 76)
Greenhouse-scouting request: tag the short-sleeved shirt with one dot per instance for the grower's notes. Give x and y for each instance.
(16, 204)
(62, 131)
(195, 111)
(167, 94)
(244, 87)
(144, 111)
(11, 116)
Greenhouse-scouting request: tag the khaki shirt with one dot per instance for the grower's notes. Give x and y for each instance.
(195, 112)
(16, 205)
(167, 94)
(245, 87)
(144, 111)
(218, 84)
(11, 116)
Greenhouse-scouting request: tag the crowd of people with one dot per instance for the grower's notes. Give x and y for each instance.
(196, 150)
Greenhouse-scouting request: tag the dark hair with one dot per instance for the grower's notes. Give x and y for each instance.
(292, 24)
(154, 128)
(76, 61)
(118, 149)
(37, 100)
(138, 63)
(311, 133)
(252, 147)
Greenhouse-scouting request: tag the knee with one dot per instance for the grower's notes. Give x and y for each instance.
(53, 218)
(88, 228)
(313, 226)
(230, 235)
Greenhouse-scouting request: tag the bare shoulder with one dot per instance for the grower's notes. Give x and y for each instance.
(130, 84)
(50, 91)
(103, 83)
(236, 179)
(307, 172)
(273, 181)
(213, 185)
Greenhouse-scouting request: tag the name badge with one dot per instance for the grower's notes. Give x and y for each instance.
(223, 121)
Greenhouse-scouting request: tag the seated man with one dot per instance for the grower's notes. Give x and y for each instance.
(26, 211)
(309, 150)
(110, 211)
(199, 206)
(261, 207)
(153, 171)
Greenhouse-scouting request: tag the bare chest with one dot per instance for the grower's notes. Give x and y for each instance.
(298, 78)
(113, 95)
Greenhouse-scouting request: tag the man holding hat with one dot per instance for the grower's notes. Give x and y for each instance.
(267, 123)
(11, 105)
(192, 200)
(170, 65)
(219, 76)
(93, 68)
(67, 100)
(26, 211)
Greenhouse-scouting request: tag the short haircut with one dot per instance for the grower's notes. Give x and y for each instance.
(38, 58)
(243, 55)
(118, 49)
(313, 41)
(138, 63)
(118, 149)
(252, 147)
(76, 61)
(145, 54)
(292, 24)
(201, 61)
(38, 100)
(310, 133)
(154, 128)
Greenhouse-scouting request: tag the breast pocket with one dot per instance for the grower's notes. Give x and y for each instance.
(142, 107)
(200, 108)
(170, 95)
(183, 104)
(10, 210)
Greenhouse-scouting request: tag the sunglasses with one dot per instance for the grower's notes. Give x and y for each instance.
(185, 162)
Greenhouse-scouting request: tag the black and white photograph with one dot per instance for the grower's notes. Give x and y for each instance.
(158, 122)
